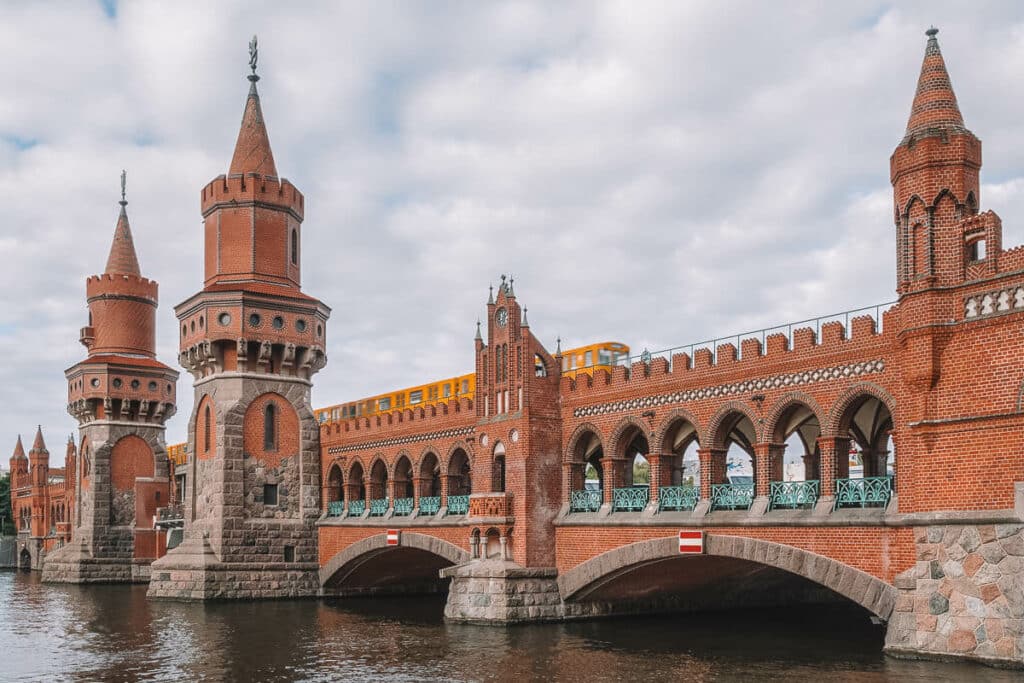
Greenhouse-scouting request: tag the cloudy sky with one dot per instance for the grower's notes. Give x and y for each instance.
(655, 173)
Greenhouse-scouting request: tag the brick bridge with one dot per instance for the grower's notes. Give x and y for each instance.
(554, 497)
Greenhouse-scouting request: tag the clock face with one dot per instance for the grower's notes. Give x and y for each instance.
(501, 317)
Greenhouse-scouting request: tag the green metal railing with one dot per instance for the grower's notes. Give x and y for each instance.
(869, 492)
(630, 499)
(458, 505)
(429, 505)
(403, 506)
(585, 501)
(793, 495)
(336, 508)
(731, 496)
(356, 508)
(379, 507)
(677, 498)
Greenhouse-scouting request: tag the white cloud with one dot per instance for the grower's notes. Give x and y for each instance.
(658, 173)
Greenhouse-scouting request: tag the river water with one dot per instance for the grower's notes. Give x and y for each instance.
(113, 633)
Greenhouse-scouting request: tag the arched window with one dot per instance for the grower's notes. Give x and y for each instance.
(498, 469)
(206, 430)
(270, 427)
(295, 247)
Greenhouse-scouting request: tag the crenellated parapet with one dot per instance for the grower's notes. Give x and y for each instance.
(231, 191)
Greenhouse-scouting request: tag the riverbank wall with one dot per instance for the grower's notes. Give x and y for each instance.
(8, 552)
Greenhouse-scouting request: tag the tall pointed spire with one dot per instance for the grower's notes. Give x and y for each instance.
(252, 151)
(935, 107)
(19, 450)
(38, 446)
(122, 259)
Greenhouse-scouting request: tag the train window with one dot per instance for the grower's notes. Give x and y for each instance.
(415, 396)
(465, 386)
(588, 359)
(384, 403)
(447, 390)
(603, 357)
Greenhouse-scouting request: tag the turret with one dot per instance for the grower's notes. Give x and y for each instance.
(934, 173)
(19, 466)
(39, 475)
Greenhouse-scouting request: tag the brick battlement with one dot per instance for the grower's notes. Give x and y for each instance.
(252, 187)
(402, 421)
(752, 358)
(108, 284)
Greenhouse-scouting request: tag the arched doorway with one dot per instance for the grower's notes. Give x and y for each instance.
(378, 489)
(679, 488)
(356, 490)
(334, 492)
(460, 482)
(794, 457)
(733, 475)
(635, 471)
(865, 455)
(586, 472)
(403, 487)
(25, 560)
(429, 483)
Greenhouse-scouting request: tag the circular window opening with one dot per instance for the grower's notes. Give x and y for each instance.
(224, 318)
(94, 381)
(118, 383)
(152, 386)
(255, 320)
(300, 325)
(278, 322)
(135, 384)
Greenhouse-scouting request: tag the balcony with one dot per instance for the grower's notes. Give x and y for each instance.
(379, 507)
(869, 492)
(336, 508)
(731, 496)
(356, 508)
(630, 499)
(585, 501)
(793, 495)
(430, 505)
(403, 507)
(677, 498)
(458, 505)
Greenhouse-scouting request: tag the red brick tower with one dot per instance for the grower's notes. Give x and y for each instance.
(934, 173)
(121, 396)
(39, 473)
(19, 469)
(252, 341)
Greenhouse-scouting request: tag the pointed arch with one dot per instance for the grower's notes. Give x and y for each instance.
(669, 423)
(783, 407)
(625, 431)
(586, 429)
(722, 423)
(834, 426)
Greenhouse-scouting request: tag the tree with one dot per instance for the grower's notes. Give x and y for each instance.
(5, 502)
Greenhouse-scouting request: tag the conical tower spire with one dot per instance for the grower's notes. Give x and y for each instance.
(122, 259)
(38, 446)
(252, 151)
(19, 450)
(935, 107)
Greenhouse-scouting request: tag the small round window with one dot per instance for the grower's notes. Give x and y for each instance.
(94, 381)
(278, 322)
(117, 382)
(255, 320)
(300, 325)
(135, 384)
(224, 318)
(152, 386)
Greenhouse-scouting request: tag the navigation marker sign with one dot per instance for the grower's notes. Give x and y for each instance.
(393, 536)
(691, 542)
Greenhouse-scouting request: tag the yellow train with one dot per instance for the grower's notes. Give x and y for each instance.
(584, 359)
(177, 453)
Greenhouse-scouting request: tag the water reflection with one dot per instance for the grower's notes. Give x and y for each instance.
(113, 633)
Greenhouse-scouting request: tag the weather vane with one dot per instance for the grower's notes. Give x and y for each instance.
(124, 180)
(253, 54)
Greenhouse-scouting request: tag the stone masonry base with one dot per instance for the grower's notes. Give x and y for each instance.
(193, 572)
(497, 592)
(74, 564)
(964, 597)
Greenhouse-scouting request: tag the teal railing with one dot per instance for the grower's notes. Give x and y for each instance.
(793, 495)
(403, 507)
(430, 505)
(585, 501)
(731, 496)
(630, 499)
(458, 505)
(869, 492)
(677, 498)
(356, 508)
(378, 507)
(336, 508)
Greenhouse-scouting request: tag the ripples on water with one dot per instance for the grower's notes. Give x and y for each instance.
(112, 633)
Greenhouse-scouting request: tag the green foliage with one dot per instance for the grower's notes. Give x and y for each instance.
(591, 473)
(641, 471)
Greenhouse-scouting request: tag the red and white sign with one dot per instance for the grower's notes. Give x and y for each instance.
(393, 536)
(691, 542)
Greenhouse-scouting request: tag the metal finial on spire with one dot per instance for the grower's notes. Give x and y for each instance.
(124, 183)
(478, 337)
(525, 322)
(511, 286)
(932, 32)
(253, 56)
(558, 346)
(490, 294)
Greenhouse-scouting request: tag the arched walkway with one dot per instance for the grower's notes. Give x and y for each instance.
(371, 565)
(871, 593)
(585, 464)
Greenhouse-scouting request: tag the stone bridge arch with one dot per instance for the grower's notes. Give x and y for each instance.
(351, 559)
(859, 587)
